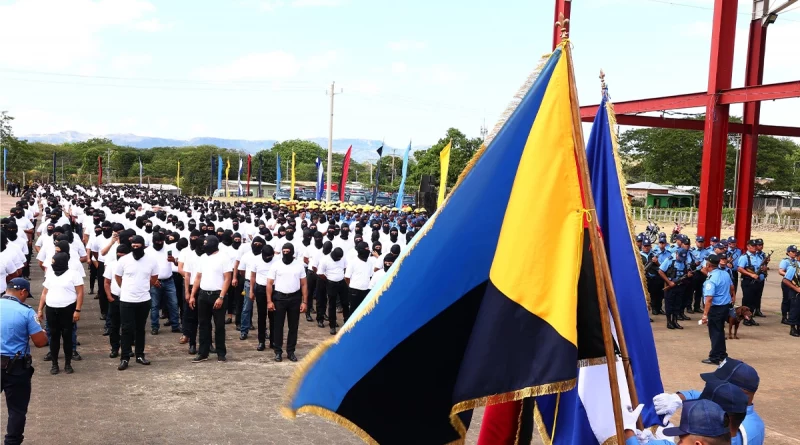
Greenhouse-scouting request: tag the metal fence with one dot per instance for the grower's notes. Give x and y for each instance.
(665, 217)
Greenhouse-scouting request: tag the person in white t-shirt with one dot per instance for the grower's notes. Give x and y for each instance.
(247, 265)
(164, 288)
(61, 302)
(331, 269)
(357, 276)
(288, 300)
(112, 291)
(388, 260)
(135, 274)
(188, 263)
(258, 293)
(211, 282)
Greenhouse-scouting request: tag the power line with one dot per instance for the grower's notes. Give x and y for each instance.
(684, 5)
(156, 79)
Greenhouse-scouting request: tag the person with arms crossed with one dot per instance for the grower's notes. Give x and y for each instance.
(135, 274)
(211, 282)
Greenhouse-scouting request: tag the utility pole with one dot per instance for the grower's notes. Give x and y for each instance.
(370, 171)
(394, 155)
(330, 143)
(484, 130)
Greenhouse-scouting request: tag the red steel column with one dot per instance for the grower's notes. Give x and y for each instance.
(754, 75)
(565, 7)
(715, 140)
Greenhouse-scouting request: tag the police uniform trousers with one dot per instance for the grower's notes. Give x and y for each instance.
(15, 380)
(190, 320)
(264, 315)
(655, 287)
(735, 279)
(794, 309)
(205, 311)
(337, 291)
(751, 292)
(688, 293)
(717, 315)
(697, 281)
(673, 299)
(311, 279)
(287, 310)
(786, 295)
(116, 323)
(133, 317)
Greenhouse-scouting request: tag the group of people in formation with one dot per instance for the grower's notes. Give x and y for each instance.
(676, 274)
(196, 263)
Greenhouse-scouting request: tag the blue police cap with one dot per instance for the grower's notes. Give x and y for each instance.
(20, 283)
(700, 418)
(728, 396)
(791, 248)
(646, 242)
(662, 240)
(700, 239)
(719, 246)
(737, 372)
(714, 239)
(732, 239)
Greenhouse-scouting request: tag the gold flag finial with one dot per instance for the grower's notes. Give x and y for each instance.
(603, 87)
(563, 25)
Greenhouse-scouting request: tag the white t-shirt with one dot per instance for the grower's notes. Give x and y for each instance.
(213, 269)
(333, 270)
(7, 267)
(262, 269)
(135, 275)
(376, 278)
(247, 264)
(96, 244)
(108, 273)
(61, 289)
(190, 262)
(160, 257)
(359, 272)
(287, 276)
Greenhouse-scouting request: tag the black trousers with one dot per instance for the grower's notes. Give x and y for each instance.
(311, 279)
(287, 309)
(697, 281)
(190, 321)
(688, 292)
(59, 319)
(101, 289)
(205, 310)
(16, 383)
(116, 323)
(179, 292)
(751, 290)
(264, 315)
(356, 297)
(786, 294)
(655, 287)
(93, 275)
(716, 332)
(673, 300)
(134, 318)
(321, 297)
(337, 291)
(794, 309)
(735, 278)
(235, 299)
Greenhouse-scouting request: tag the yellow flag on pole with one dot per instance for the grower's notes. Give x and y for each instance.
(178, 176)
(444, 160)
(291, 193)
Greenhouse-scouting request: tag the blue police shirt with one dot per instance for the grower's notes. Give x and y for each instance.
(19, 323)
(752, 425)
(663, 255)
(785, 263)
(680, 268)
(749, 260)
(735, 254)
(790, 273)
(718, 286)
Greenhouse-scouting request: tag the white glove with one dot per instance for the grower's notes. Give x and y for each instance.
(659, 435)
(630, 416)
(644, 436)
(666, 404)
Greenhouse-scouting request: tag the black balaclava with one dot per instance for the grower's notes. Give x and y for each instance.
(318, 240)
(357, 239)
(257, 245)
(307, 235)
(148, 226)
(138, 252)
(376, 235)
(220, 233)
(386, 228)
(287, 258)
(123, 250)
(139, 222)
(267, 253)
(409, 235)
(393, 234)
(235, 225)
(290, 233)
(125, 236)
(172, 238)
(98, 230)
(236, 244)
(68, 231)
(11, 231)
(403, 227)
(362, 249)
(192, 225)
(226, 238)
(262, 229)
(337, 254)
(211, 245)
(195, 240)
(377, 247)
(281, 232)
(107, 229)
(331, 232)
(388, 260)
(50, 228)
(327, 248)
(182, 244)
(395, 250)
(62, 244)
(158, 241)
(60, 263)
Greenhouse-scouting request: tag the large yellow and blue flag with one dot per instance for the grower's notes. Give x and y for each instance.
(475, 311)
(584, 414)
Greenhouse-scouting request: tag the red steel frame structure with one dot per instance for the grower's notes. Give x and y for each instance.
(716, 100)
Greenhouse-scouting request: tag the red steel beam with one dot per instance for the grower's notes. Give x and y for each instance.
(694, 124)
(760, 92)
(754, 75)
(562, 7)
(774, 130)
(715, 136)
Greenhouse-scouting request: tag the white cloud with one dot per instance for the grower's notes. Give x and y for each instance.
(399, 68)
(443, 74)
(271, 65)
(366, 87)
(128, 62)
(55, 34)
(150, 25)
(321, 61)
(407, 45)
(315, 3)
(270, 5)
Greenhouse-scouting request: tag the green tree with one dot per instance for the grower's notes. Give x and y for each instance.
(461, 151)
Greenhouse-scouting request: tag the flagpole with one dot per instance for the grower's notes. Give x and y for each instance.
(597, 249)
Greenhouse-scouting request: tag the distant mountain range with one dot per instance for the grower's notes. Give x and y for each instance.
(363, 149)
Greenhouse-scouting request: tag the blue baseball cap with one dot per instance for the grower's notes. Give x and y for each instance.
(732, 239)
(719, 246)
(20, 283)
(728, 396)
(791, 248)
(736, 372)
(646, 242)
(714, 239)
(701, 239)
(640, 237)
(662, 240)
(700, 418)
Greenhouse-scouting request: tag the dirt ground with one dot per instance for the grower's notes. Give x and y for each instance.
(175, 401)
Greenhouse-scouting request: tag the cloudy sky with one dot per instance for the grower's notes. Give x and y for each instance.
(257, 69)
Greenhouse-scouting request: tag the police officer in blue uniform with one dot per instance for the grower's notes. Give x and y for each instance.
(654, 284)
(734, 253)
(789, 260)
(752, 282)
(18, 324)
(719, 297)
(792, 281)
(699, 254)
(676, 274)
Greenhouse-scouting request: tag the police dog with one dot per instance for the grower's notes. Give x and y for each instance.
(741, 313)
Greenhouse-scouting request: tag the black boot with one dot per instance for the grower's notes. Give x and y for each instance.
(675, 322)
(758, 313)
(670, 325)
(683, 316)
(689, 310)
(795, 331)
(785, 319)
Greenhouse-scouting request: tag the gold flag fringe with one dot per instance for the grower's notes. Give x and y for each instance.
(537, 418)
(369, 305)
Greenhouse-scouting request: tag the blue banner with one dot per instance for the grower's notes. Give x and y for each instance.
(140, 171)
(219, 172)
(399, 203)
(278, 172)
(320, 184)
(5, 167)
